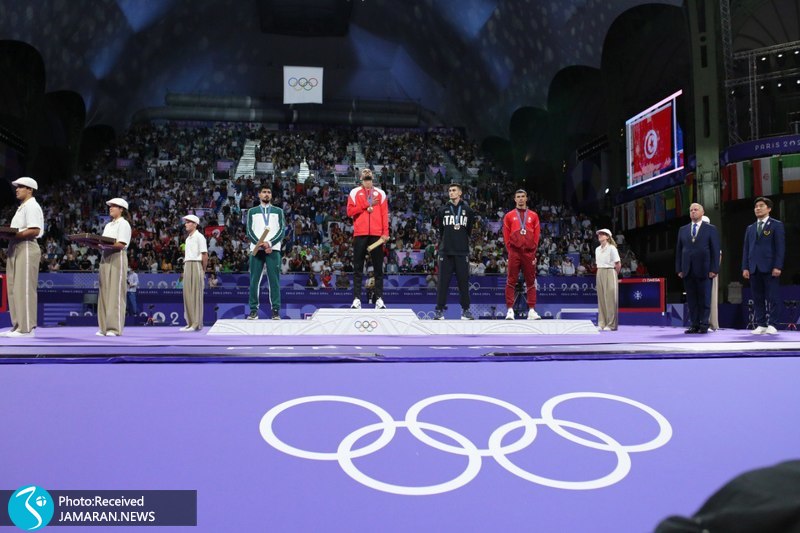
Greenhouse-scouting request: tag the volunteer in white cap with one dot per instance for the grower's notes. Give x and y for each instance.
(111, 302)
(195, 261)
(608, 266)
(24, 254)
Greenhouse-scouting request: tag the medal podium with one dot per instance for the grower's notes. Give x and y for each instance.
(395, 322)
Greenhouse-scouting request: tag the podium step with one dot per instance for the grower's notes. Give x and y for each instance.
(396, 322)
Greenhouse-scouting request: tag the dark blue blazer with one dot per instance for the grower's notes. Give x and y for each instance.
(700, 257)
(762, 254)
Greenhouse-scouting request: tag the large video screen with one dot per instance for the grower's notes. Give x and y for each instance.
(642, 295)
(654, 142)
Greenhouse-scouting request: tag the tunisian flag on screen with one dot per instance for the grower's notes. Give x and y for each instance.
(652, 144)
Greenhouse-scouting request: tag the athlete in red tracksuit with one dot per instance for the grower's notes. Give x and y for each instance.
(521, 234)
(369, 208)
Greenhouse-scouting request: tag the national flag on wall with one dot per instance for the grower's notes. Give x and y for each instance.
(659, 214)
(669, 204)
(641, 213)
(302, 85)
(791, 173)
(766, 178)
(630, 210)
(738, 181)
(690, 188)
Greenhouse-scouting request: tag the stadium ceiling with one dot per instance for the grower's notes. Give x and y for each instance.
(472, 62)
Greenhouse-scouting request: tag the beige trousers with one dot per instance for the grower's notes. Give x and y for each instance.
(607, 298)
(193, 285)
(713, 318)
(22, 276)
(111, 302)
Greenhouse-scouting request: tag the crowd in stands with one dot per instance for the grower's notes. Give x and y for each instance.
(318, 234)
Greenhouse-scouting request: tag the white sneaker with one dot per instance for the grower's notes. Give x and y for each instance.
(533, 315)
(112, 334)
(356, 304)
(100, 334)
(607, 328)
(17, 333)
(760, 330)
(186, 328)
(379, 304)
(510, 314)
(771, 330)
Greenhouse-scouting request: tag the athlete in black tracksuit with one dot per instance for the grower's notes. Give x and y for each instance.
(454, 222)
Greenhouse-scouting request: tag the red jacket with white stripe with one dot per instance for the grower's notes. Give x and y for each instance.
(364, 222)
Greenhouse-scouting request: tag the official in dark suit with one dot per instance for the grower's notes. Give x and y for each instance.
(697, 263)
(762, 262)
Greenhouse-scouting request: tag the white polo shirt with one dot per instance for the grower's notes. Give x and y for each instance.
(119, 230)
(195, 247)
(606, 257)
(29, 215)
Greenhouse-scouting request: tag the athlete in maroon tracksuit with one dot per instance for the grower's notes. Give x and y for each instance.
(521, 234)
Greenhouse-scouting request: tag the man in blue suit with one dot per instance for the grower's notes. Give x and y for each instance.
(762, 262)
(697, 263)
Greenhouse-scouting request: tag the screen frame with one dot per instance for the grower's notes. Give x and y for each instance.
(673, 99)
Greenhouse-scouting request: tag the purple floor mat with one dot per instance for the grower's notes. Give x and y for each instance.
(618, 445)
(170, 345)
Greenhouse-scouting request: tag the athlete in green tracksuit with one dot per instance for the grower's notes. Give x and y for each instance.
(268, 255)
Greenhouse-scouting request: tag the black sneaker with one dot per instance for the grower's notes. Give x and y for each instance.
(276, 314)
(466, 314)
(253, 315)
(438, 315)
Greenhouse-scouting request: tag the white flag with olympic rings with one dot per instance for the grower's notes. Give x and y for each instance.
(302, 85)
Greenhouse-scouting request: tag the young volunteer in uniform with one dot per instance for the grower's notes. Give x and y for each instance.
(608, 266)
(195, 261)
(112, 300)
(22, 267)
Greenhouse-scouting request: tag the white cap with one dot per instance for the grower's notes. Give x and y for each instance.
(192, 218)
(604, 230)
(119, 202)
(26, 182)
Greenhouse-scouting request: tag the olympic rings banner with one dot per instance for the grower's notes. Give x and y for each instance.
(302, 85)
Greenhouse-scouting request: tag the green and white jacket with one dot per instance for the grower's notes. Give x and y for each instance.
(260, 217)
